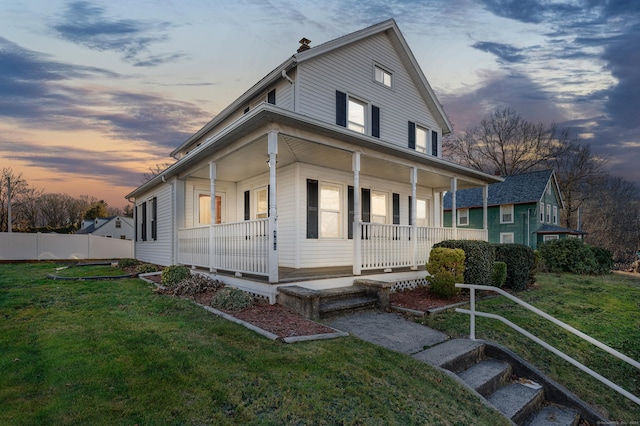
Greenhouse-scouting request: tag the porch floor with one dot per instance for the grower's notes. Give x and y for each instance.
(292, 275)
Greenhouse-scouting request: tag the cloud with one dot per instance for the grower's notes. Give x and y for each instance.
(504, 52)
(88, 25)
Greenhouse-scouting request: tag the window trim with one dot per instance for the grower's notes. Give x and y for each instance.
(459, 215)
(507, 234)
(384, 71)
(509, 208)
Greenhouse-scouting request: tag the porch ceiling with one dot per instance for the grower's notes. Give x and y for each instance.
(251, 160)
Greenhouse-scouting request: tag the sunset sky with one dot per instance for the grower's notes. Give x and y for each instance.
(94, 93)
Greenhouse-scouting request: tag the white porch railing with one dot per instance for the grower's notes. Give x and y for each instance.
(242, 246)
(391, 246)
(473, 314)
(193, 246)
(239, 247)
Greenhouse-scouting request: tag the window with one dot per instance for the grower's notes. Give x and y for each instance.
(550, 237)
(506, 213)
(421, 212)
(422, 139)
(542, 212)
(330, 196)
(463, 217)
(262, 203)
(555, 215)
(378, 207)
(506, 238)
(204, 209)
(548, 213)
(123, 237)
(382, 76)
(118, 223)
(356, 113)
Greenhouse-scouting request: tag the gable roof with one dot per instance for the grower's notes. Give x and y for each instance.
(105, 220)
(516, 189)
(389, 26)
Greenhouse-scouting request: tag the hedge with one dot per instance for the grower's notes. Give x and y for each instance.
(520, 260)
(479, 258)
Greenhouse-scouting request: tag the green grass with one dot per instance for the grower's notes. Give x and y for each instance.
(87, 271)
(606, 308)
(114, 352)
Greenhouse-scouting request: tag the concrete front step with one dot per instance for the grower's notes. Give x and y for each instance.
(553, 415)
(336, 307)
(487, 375)
(517, 401)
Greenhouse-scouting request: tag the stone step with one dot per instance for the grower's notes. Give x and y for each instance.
(554, 415)
(453, 355)
(517, 401)
(341, 293)
(340, 306)
(487, 375)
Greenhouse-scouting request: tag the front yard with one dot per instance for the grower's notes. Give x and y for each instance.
(115, 352)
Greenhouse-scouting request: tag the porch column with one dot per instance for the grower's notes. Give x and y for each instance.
(272, 138)
(485, 202)
(357, 237)
(212, 222)
(454, 211)
(414, 212)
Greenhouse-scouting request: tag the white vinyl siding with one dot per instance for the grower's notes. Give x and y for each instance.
(159, 251)
(349, 70)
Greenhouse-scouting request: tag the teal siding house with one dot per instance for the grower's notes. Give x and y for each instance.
(524, 209)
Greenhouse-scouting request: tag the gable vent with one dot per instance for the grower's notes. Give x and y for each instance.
(304, 44)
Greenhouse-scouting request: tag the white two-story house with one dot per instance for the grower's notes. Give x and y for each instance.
(329, 167)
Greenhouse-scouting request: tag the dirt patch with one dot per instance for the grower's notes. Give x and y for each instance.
(422, 299)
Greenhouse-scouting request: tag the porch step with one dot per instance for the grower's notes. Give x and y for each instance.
(516, 389)
(343, 305)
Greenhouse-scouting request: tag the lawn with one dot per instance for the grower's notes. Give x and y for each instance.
(114, 352)
(607, 308)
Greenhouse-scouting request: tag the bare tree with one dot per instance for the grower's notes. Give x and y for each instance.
(27, 210)
(505, 143)
(19, 187)
(155, 171)
(58, 210)
(577, 170)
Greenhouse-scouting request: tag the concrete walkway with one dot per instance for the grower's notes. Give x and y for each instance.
(389, 330)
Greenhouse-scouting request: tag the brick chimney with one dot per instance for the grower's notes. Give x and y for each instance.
(304, 44)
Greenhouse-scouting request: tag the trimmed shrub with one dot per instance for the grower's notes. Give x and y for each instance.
(231, 299)
(173, 274)
(573, 255)
(521, 264)
(127, 262)
(145, 268)
(479, 258)
(446, 267)
(499, 274)
(196, 284)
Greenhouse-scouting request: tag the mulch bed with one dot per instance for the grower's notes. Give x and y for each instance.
(422, 299)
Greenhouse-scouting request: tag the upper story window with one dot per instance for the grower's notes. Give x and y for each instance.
(506, 213)
(357, 117)
(463, 217)
(548, 213)
(422, 139)
(542, 212)
(118, 223)
(555, 215)
(382, 76)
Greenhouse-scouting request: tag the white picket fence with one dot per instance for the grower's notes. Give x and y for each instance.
(39, 246)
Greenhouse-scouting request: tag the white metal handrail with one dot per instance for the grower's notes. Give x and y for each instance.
(473, 313)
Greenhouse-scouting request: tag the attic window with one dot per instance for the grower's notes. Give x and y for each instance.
(382, 76)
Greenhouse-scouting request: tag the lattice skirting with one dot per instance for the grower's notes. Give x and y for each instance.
(409, 284)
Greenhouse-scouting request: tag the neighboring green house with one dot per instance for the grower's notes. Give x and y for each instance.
(524, 209)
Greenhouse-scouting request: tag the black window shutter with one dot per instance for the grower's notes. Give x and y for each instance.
(350, 211)
(366, 205)
(247, 211)
(271, 97)
(375, 121)
(154, 219)
(410, 210)
(434, 143)
(341, 109)
(312, 208)
(396, 209)
(412, 135)
(144, 222)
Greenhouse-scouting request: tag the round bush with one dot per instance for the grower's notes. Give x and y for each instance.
(127, 262)
(231, 299)
(446, 267)
(146, 268)
(173, 274)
